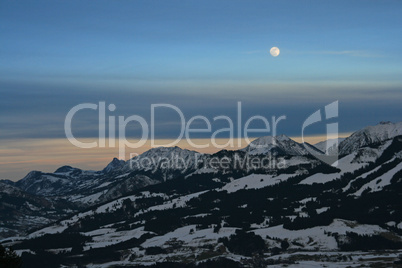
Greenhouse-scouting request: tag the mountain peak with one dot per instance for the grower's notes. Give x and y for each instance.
(266, 140)
(282, 137)
(369, 135)
(115, 160)
(275, 144)
(64, 169)
(115, 163)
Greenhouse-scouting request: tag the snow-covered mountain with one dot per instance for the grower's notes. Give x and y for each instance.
(23, 211)
(370, 135)
(154, 210)
(64, 180)
(281, 144)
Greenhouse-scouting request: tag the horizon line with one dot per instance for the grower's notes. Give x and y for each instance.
(20, 156)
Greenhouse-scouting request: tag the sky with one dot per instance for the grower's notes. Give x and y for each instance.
(200, 56)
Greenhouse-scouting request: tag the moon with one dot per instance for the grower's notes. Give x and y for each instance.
(274, 51)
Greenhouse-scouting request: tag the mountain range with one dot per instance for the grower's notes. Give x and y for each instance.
(272, 202)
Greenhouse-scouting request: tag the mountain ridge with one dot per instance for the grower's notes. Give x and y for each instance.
(266, 144)
(72, 189)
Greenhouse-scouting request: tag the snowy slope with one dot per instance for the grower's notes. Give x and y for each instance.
(370, 135)
(317, 236)
(380, 182)
(254, 181)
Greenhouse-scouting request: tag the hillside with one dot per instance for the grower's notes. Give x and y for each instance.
(242, 213)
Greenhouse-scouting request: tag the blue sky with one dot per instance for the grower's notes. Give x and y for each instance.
(202, 56)
(200, 40)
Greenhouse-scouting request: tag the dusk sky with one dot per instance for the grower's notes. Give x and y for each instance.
(201, 56)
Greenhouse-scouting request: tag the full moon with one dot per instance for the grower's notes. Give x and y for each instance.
(274, 51)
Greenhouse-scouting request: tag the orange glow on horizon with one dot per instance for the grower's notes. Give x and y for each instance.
(18, 157)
